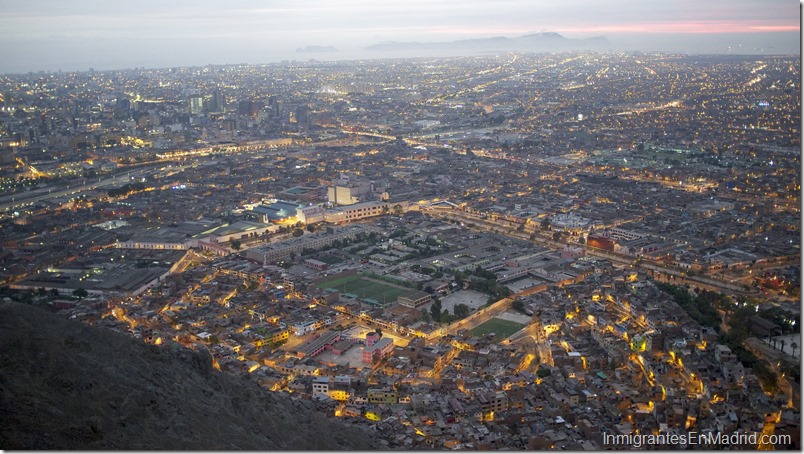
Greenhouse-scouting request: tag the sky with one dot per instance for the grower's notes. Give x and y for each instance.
(114, 34)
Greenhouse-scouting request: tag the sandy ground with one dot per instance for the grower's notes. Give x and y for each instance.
(513, 316)
(522, 284)
(471, 298)
(354, 355)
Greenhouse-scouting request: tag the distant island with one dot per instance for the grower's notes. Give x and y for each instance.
(548, 41)
(316, 49)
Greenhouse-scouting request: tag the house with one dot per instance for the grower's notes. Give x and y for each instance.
(382, 396)
(320, 385)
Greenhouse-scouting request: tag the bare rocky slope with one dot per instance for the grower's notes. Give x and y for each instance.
(65, 385)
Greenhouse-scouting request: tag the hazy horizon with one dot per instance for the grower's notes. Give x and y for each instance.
(50, 35)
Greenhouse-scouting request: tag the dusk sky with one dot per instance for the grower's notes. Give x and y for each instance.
(79, 34)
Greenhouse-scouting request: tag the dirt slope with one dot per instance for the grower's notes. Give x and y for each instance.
(65, 385)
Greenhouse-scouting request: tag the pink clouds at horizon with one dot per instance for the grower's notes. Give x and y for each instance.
(707, 27)
(683, 27)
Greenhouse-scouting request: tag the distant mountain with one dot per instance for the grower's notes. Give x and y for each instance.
(316, 49)
(66, 385)
(537, 42)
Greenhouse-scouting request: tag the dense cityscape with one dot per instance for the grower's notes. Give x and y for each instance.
(570, 251)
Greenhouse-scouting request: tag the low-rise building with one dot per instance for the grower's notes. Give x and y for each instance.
(378, 350)
(382, 396)
(415, 299)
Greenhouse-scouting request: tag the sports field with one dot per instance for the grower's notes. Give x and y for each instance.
(365, 288)
(502, 328)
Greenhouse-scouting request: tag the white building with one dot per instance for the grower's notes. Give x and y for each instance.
(570, 222)
(311, 214)
(347, 190)
(320, 385)
(362, 210)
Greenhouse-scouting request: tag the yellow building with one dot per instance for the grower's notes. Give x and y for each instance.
(382, 396)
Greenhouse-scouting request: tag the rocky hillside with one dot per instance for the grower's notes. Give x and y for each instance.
(65, 385)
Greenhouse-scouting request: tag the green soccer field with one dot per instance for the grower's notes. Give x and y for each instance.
(338, 283)
(502, 328)
(365, 288)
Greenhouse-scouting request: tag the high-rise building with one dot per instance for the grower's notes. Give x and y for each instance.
(196, 103)
(248, 108)
(217, 102)
(303, 119)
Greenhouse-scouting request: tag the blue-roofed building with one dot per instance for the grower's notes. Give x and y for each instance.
(278, 211)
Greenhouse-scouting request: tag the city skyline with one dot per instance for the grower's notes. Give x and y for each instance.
(509, 250)
(80, 35)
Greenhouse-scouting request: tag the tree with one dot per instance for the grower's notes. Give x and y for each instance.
(459, 277)
(235, 244)
(485, 274)
(435, 310)
(766, 376)
(80, 293)
(311, 228)
(298, 232)
(426, 316)
(461, 310)
(378, 331)
(519, 305)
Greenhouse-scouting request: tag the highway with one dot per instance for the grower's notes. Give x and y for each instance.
(126, 174)
(23, 200)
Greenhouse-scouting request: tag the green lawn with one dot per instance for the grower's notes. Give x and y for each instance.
(502, 328)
